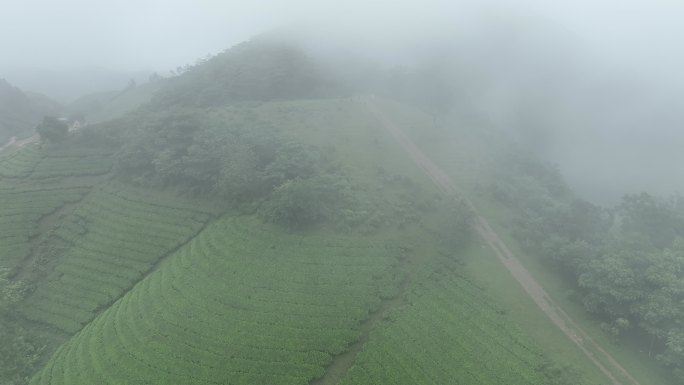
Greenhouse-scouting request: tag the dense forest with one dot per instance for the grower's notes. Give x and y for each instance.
(625, 262)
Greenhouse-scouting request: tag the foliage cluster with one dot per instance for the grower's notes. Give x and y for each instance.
(52, 130)
(236, 157)
(627, 262)
(456, 225)
(302, 202)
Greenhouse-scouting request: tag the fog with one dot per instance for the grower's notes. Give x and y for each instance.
(152, 34)
(593, 85)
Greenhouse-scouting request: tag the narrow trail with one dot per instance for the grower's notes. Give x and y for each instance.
(8, 144)
(613, 370)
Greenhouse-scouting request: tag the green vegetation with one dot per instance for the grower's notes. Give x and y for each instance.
(19, 164)
(110, 241)
(484, 164)
(240, 225)
(52, 130)
(34, 164)
(233, 280)
(625, 263)
(306, 202)
(44, 208)
(448, 333)
(20, 352)
(243, 303)
(20, 213)
(232, 156)
(32, 190)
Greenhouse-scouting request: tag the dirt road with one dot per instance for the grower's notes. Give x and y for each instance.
(603, 360)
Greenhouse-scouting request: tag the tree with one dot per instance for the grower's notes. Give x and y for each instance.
(301, 203)
(52, 130)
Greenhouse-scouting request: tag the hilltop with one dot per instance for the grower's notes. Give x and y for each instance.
(260, 69)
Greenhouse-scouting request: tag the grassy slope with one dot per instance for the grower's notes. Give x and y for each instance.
(466, 152)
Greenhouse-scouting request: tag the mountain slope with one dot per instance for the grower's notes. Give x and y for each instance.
(105, 106)
(21, 112)
(241, 276)
(241, 304)
(250, 229)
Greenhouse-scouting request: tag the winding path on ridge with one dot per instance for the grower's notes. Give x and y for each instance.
(601, 358)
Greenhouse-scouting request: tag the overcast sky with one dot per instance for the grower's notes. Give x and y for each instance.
(162, 34)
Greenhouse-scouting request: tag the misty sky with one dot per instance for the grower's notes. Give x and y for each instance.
(162, 34)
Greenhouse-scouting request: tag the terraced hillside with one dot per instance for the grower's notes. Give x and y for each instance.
(29, 191)
(104, 238)
(21, 210)
(449, 333)
(34, 163)
(241, 304)
(112, 239)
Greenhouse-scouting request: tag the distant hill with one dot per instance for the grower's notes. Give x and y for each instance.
(261, 69)
(66, 85)
(103, 106)
(20, 112)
